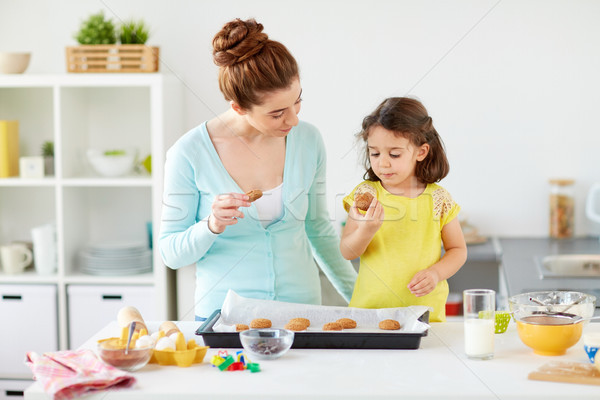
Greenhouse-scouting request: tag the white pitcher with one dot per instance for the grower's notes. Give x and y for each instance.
(590, 211)
(44, 249)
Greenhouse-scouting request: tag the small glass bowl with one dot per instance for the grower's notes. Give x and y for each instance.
(115, 356)
(266, 343)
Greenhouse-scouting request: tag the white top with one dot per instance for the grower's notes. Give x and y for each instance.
(437, 370)
(270, 206)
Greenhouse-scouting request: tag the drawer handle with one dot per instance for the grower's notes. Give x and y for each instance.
(16, 393)
(112, 297)
(12, 297)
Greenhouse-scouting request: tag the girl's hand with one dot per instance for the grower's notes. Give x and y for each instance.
(423, 282)
(225, 211)
(371, 220)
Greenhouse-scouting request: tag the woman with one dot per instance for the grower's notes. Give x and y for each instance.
(262, 249)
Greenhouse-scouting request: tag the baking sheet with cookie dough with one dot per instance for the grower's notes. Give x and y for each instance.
(219, 329)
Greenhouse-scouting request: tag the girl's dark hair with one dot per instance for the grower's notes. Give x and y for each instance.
(408, 118)
(251, 64)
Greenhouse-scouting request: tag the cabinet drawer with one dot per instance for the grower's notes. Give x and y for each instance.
(13, 389)
(91, 307)
(29, 320)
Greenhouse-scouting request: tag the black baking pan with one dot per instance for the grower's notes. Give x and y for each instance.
(320, 340)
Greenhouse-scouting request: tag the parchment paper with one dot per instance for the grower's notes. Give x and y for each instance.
(242, 310)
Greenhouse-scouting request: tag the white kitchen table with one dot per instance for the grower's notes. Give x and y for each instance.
(437, 370)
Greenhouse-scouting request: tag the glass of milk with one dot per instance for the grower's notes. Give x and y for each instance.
(479, 306)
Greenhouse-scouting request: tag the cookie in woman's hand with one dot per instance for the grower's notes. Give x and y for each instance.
(364, 195)
(254, 195)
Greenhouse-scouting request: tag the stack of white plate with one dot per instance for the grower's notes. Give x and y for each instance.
(116, 258)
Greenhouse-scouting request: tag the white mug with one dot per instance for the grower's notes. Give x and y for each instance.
(44, 249)
(15, 258)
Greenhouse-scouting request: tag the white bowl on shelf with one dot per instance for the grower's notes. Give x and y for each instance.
(111, 163)
(14, 63)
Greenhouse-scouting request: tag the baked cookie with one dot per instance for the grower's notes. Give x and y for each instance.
(260, 323)
(333, 326)
(347, 323)
(304, 321)
(254, 195)
(241, 327)
(295, 326)
(389, 325)
(364, 195)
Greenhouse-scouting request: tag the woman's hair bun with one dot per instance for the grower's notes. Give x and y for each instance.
(237, 41)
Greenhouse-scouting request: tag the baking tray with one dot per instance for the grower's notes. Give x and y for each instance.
(320, 340)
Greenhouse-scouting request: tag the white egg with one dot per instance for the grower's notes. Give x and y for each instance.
(164, 343)
(144, 342)
(173, 336)
(155, 336)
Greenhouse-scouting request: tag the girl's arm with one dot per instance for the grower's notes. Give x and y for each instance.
(454, 257)
(360, 229)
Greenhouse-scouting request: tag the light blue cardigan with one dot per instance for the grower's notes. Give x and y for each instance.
(275, 263)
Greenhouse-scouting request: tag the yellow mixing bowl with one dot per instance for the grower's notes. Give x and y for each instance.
(548, 339)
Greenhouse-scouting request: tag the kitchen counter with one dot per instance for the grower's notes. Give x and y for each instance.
(438, 369)
(520, 270)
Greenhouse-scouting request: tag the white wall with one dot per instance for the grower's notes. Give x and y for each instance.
(513, 86)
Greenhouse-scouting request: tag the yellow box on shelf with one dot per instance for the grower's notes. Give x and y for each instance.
(9, 148)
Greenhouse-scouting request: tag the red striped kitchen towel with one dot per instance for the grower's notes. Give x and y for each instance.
(68, 374)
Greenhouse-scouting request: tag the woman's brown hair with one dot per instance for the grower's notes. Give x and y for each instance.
(251, 64)
(408, 118)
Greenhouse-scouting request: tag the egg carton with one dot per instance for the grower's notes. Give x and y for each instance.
(184, 354)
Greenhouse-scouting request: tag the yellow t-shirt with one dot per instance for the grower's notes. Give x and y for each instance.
(409, 240)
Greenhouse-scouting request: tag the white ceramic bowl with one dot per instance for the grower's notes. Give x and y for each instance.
(266, 343)
(111, 165)
(14, 63)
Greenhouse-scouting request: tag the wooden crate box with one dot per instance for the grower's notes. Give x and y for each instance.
(112, 58)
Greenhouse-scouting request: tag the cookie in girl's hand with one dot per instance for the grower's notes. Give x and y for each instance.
(364, 195)
(254, 195)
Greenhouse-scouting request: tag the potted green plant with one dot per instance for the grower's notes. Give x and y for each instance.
(97, 29)
(133, 32)
(48, 154)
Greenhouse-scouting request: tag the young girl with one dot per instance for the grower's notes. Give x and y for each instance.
(399, 238)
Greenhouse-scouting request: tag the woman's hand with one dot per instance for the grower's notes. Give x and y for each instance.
(225, 211)
(423, 282)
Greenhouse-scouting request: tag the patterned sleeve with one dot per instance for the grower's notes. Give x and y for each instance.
(444, 207)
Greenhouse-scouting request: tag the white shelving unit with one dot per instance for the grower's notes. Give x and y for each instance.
(78, 112)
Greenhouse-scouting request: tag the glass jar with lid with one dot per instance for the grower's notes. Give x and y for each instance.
(562, 208)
